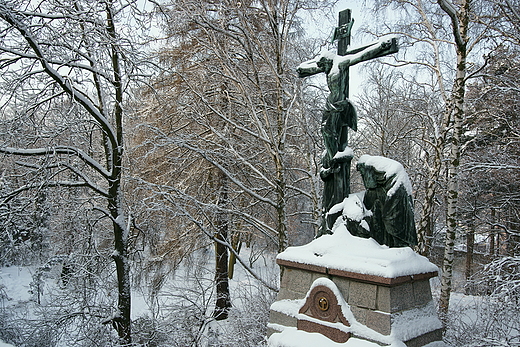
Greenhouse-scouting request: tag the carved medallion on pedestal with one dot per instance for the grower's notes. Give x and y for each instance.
(322, 304)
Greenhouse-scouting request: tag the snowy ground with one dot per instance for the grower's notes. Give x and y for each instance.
(16, 292)
(15, 283)
(185, 285)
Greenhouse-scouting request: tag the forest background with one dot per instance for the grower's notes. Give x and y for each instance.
(149, 146)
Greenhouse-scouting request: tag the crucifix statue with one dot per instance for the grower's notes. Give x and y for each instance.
(339, 113)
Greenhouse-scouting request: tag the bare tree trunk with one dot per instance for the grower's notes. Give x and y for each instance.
(281, 212)
(512, 235)
(492, 233)
(236, 244)
(281, 121)
(470, 247)
(122, 323)
(223, 303)
(425, 227)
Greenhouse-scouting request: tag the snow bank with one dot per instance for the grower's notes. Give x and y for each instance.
(342, 251)
(16, 283)
(291, 337)
(415, 322)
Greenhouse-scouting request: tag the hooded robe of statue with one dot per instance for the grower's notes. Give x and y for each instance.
(392, 220)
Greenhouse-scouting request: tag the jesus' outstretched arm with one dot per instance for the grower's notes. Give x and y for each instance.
(374, 50)
(313, 67)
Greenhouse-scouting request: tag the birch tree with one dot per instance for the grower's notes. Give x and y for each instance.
(427, 70)
(459, 18)
(443, 38)
(66, 68)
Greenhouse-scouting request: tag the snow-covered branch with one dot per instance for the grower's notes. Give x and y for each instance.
(488, 166)
(12, 17)
(262, 136)
(513, 10)
(202, 153)
(60, 63)
(65, 166)
(58, 150)
(65, 183)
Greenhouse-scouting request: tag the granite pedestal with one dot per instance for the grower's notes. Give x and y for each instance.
(365, 306)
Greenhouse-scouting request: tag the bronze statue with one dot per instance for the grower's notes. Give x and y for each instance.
(339, 113)
(391, 220)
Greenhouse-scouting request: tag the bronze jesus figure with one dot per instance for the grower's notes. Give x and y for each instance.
(338, 116)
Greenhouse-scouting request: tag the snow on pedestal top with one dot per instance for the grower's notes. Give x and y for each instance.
(342, 251)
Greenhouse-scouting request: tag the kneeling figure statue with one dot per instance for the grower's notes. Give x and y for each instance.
(389, 202)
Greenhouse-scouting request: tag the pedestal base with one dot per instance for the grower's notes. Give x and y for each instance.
(374, 308)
